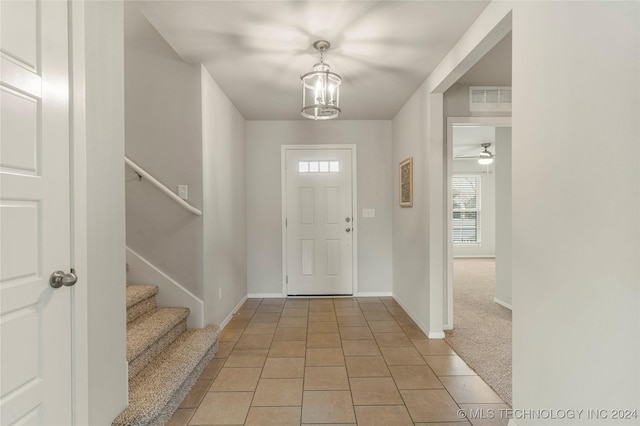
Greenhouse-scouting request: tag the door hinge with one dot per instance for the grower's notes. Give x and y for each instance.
(287, 280)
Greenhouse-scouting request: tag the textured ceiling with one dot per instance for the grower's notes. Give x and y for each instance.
(257, 50)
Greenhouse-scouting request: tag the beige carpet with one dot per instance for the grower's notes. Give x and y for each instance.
(482, 329)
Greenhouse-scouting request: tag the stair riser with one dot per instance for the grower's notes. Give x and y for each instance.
(138, 363)
(141, 308)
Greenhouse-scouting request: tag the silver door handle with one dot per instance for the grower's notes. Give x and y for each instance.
(60, 278)
(348, 229)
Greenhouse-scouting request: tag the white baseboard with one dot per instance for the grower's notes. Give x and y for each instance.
(474, 256)
(374, 294)
(265, 295)
(501, 303)
(224, 323)
(423, 327)
(170, 292)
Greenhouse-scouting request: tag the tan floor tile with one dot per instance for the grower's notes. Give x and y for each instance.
(274, 301)
(377, 316)
(402, 356)
(236, 379)
(224, 349)
(322, 316)
(432, 347)
(321, 305)
(384, 327)
(323, 327)
(373, 307)
(277, 416)
(283, 368)
(195, 395)
(355, 333)
(327, 407)
(354, 321)
(181, 417)
(288, 349)
(414, 377)
(383, 415)
(367, 366)
(246, 358)
(326, 378)
(392, 339)
(325, 357)
(212, 369)
(470, 390)
(260, 328)
(297, 303)
(345, 302)
(237, 323)
(363, 300)
(458, 423)
(265, 317)
(360, 348)
(278, 393)
(254, 341)
(323, 340)
(348, 312)
(230, 334)
(374, 391)
(413, 331)
(222, 408)
(448, 365)
(293, 322)
(295, 312)
(430, 405)
(286, 333)
(487, 414)
(270, 308)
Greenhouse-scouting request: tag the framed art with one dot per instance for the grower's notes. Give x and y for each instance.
(406, 182)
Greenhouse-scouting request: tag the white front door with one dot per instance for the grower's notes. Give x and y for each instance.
(319, 221)
(35, 319)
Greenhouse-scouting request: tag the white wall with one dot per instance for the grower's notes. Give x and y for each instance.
(503, 216)
(576, 203)
(99, 224)
(224, 214)
(164, 137)
(487, 245)
(264, 208)
(576, 299)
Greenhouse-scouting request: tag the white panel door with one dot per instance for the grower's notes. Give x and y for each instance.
(35, 319)
(319, 221)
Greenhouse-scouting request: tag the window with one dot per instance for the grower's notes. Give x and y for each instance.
(466, 209)
(319, 167)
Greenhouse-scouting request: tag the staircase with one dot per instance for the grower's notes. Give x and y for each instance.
(165, 358)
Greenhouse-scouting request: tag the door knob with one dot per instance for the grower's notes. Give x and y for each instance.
(60, 278)
(348, 229)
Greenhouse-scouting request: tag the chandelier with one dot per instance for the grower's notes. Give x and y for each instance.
(321, 89)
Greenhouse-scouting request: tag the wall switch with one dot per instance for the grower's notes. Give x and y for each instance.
(219, 293)
(183, 192)
(368, 212)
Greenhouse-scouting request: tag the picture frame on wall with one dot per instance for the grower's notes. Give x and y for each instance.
(406, 182)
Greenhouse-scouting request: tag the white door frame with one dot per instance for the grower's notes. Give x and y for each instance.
(354, 195)
(451, 122)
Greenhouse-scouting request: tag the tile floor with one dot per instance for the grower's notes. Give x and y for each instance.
(335, 361)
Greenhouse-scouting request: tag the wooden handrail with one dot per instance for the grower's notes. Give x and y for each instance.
(143, 173)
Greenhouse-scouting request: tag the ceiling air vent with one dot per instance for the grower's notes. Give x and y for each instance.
(490, 98)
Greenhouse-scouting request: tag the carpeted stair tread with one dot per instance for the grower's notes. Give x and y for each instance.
(144, 331)
(155, 386)
(139, 292)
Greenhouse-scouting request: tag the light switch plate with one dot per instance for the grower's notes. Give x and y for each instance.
(183, 192)
(368, 212)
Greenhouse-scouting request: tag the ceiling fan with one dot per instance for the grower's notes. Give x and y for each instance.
(485, 157)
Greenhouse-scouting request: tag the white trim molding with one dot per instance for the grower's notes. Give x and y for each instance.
(423, 327)
(229, 317)
(375, 294)
(170, 292)
(266, 296)
(501, 303)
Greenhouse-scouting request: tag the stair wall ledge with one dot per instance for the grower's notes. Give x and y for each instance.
(170, 293)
